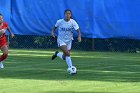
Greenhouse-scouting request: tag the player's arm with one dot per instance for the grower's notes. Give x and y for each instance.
(76, 27)
(54, 28)
(53, 31)
(12, 35)
(79, 35)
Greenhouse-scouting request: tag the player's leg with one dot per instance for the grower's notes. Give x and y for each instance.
(68, 44)
(67, 57)
(66, 54)
(59, 54)
(4, 50)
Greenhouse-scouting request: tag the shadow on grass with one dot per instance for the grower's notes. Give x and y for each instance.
(100, 69)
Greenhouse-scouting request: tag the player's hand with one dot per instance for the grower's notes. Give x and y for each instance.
(52, 35)
(79, 39)
(12, 35)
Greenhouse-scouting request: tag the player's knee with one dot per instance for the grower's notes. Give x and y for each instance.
(5, 54)
(67, 53)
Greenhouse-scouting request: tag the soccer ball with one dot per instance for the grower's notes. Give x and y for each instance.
(71, 70)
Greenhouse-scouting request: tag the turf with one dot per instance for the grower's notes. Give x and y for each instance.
(32, 71)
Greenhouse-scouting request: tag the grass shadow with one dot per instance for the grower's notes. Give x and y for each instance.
(101, 67)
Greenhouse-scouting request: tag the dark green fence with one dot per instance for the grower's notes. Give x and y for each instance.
(87, 44)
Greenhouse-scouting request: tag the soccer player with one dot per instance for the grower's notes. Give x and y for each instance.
(65, 27)
(3, 43)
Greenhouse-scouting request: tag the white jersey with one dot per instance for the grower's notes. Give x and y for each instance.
(65, 29)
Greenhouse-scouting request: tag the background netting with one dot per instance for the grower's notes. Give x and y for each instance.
(87, 44)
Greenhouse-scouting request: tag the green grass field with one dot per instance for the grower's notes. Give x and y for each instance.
(32, 71)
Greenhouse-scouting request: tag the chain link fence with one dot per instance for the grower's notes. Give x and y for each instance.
(117, 45)
(87, 44)
(46, 42)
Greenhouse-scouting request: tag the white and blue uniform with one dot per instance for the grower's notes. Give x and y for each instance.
(65, 32)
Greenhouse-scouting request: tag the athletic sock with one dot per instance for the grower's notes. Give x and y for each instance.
(1, 65)
(60, 55)
(68, 61)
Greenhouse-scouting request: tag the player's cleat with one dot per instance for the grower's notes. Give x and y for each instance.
(1, 65)
(55, 55)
